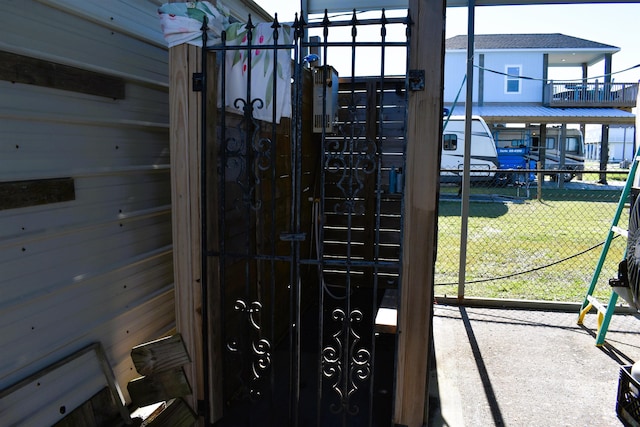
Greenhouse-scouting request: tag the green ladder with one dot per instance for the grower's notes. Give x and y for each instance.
(606, 311)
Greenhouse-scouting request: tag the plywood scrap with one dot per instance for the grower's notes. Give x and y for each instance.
(160, 355)
(158, 387)
(176, 413)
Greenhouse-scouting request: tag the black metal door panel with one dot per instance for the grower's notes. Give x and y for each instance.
(308, 224)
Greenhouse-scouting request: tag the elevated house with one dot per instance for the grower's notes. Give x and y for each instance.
(512, 84)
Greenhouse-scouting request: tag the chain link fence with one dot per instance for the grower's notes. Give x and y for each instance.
(530, 239)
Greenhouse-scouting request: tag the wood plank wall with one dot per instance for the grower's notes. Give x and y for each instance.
(358, 240)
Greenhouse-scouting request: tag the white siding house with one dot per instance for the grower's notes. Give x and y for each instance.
(512, 84)
(508, 87)
(96, 264)
(511, 80)
(495, 88)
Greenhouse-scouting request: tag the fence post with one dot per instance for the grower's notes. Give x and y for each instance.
(540, 179)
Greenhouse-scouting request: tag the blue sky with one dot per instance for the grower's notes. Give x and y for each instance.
(613, 24)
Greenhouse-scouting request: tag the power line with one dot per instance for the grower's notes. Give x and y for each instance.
(564, 80)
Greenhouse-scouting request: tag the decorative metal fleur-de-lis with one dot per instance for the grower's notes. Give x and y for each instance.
(351, 160)
(245, 161)
(359, 363)
(260, 348)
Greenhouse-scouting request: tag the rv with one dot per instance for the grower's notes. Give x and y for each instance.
(484, 158)
(528, 139)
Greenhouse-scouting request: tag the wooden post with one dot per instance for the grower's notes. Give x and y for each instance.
(184, 106)
(185, 145)
(421, 214)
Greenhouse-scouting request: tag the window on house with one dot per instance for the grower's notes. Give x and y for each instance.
(450, 142)
(551, 143)
(513, 80)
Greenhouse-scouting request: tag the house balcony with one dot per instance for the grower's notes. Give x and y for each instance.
(590, 95)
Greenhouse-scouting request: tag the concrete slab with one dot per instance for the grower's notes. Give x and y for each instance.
(512, 367)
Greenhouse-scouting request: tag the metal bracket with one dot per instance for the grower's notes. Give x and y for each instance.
(416, 80)
(197, 80)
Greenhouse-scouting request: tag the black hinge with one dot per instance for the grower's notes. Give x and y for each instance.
(197, 81)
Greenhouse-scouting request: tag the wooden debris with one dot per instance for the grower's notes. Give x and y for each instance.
(176, 414)
(159, 387)
(160, 355)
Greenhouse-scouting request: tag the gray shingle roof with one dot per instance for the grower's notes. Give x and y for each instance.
(527, 41)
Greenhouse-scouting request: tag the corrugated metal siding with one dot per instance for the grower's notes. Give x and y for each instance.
(97, 268)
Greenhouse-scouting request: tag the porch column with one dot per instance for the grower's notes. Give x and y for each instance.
(421, 214)
(607, 76)
(604, 153)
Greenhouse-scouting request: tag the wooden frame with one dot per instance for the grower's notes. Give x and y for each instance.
(415, 311)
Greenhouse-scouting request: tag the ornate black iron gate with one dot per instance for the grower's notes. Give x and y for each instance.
(303, 220)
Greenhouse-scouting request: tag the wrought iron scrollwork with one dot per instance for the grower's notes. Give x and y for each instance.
(246, 161)
(259, 348)
(351, 159)
(358, 367)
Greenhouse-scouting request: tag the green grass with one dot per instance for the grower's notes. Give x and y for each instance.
(535, 244)
(595, 176)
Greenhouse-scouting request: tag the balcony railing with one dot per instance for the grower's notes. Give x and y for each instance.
(590, 94)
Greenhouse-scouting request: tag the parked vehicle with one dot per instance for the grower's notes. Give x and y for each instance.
(484, 157)
(513, 159)
(525, 143)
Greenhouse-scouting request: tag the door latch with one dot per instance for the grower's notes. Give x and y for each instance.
(416, 80)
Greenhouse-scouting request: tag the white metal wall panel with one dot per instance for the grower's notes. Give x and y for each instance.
(121, 15)
(97, 268)
(112, 149)
(34, 29)
(142, 106)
